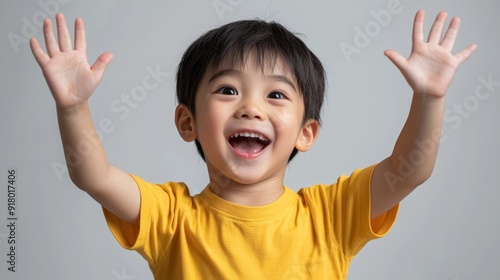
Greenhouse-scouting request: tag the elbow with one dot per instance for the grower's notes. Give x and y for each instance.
(422, 178)
(78, 182)
(423, 173)
(89, 178)
(85, 183)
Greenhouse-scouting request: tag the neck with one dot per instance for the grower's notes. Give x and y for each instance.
(258, 194)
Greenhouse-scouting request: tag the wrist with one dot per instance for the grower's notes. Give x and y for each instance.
(73, 109)
(428, 99)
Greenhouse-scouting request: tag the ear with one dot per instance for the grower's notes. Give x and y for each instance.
(184, 122)
(307, 136)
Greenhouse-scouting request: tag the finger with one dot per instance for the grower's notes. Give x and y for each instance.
(38, 53)
(80, 39)
(451, 34)
(50, 40)
(397, 59)
(62, 33)
(418, 27)
(465, 53)
(101, 63)
(437, 28)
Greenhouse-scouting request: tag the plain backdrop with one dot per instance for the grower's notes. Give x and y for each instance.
(447, 229)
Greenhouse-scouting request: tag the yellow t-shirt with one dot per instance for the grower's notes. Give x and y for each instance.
(312, 234)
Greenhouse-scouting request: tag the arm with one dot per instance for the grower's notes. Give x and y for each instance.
(72, 81)
(429, 71)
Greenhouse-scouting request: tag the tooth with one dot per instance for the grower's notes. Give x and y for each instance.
(249, 134)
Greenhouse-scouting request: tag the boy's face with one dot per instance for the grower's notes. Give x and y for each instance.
(249, 120)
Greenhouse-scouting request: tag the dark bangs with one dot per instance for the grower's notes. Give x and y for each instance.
(231, 43)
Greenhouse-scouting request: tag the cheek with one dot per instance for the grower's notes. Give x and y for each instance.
(288, 120)
(289, 115)
(209, 121)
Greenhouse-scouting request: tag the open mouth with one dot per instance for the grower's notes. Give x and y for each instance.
(248, 144)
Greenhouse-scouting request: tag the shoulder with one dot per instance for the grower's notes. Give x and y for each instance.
(168, 192)
(167, 186)
(358, 177)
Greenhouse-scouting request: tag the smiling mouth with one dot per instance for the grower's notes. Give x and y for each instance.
(248, 144)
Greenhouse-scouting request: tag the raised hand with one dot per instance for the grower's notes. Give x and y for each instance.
(68, 74)
(431, 66)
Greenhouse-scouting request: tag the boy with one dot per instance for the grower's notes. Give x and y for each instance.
(250, 94)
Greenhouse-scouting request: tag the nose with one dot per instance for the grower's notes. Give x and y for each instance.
(249, 108)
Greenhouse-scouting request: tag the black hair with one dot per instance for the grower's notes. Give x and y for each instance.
(231, 43)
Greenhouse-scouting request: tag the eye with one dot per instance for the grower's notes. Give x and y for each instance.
(276, 95)
(227, 91)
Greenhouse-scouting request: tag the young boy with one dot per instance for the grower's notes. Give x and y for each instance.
(250, 94)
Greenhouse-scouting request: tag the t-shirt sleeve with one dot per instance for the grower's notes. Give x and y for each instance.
(350, 199)
(161, 206)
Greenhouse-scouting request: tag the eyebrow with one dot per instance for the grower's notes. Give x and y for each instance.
(234, 72)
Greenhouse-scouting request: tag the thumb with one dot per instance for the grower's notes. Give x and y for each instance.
(397, 59)
(101, 63)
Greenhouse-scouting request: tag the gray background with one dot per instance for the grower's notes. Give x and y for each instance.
(446, 229)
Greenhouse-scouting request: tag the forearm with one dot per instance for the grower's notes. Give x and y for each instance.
(416, 148)
(85, 156)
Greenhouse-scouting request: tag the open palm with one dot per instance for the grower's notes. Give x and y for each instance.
(431, 66)
(68, 74)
